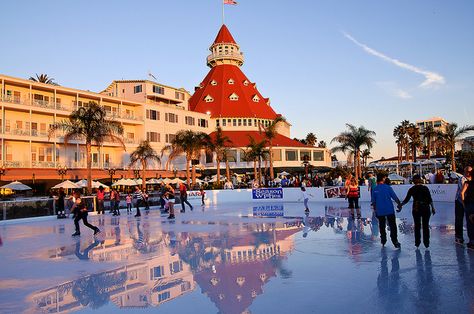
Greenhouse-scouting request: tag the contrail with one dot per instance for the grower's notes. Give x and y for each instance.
(431, 78)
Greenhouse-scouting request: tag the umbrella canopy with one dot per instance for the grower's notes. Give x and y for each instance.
(167, 181)
(396, 177)
(176, 180)
(95, 184)
(277, 180)
(125, 182)
(66, 185)
(154, 181)
(16, 186)
(405, 163)
(139, 181)
(283, 173)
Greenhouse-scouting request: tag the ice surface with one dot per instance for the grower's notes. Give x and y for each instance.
(258, 257)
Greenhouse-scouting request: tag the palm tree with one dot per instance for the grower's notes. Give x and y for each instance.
(414, 139)
(89, 124)
(311, 139)
(43, 78)
(257, 152)
(351, 141)
(428, 135)
(190, 144)
(400, 137)
(365, 155)
(270, 132)
(322, 144)
(219, 144)
(453, 135)
(142, 154)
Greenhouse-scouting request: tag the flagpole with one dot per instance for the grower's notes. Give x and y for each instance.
(222, 12)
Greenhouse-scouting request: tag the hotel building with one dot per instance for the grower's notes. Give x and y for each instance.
(147, 110)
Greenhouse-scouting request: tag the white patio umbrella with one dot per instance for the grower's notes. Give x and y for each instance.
(396, 177)
(176, 180)
(139, 181)
(283, 173)
(153, 181)
(277, 180)
(95, 184)
(66, 185)
(125, 182)
(16, 186)
(167, 181)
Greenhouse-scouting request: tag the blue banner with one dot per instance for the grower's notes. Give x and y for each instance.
(270, 193)
(268, 211)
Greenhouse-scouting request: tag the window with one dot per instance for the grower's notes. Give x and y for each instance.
(224, 122)
(239, 122)
(189, 120)
(33, 154)
(256, 98)
(176, 267)
(437, 124)
(152, 114)
(246, 83)
(202, 123)
(208, 98)
(170, 138)
(179, 95)
(218, 123)
(153, 137)
(234, 97)
(230, 82)
(290, 155)
(213, 83)
(250, 122)
(159, 90)
(276, 154)
(305, 154)
(164, 296)
(232, 155)
(156, 272)
(41, 154)
(209, 158)
(234, 122)
(130, 136)
(245, 122)
(171, 117)
(9, 154)
(318, 155)
(137, 89)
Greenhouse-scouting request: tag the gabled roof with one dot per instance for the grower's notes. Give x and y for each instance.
(222, 106)
(241, 139)
(224, 36)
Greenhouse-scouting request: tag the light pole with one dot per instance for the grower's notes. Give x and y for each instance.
(306, 165)
(136, 172)
(62, 171)
(175, 172)
(111, 174)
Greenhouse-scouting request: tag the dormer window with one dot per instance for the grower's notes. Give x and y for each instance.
(208, 98)
(213, 83)
(234, 97)
(230, 81)
(256, 98)
(246, 82)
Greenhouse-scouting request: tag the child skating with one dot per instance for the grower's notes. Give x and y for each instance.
(305, 198)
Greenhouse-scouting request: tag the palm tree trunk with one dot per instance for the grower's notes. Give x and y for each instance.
(259, 171)
(359, 170)
(143, 175)
(188, 160)
(271, 161)
(227, 170)
(193, 172)
(453, 161)
(255, 169)
(414, 153)
(218, 167)
(429, 148)
(89, 167)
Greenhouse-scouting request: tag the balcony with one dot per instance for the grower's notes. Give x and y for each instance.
(212, 58)
(123, 115)
(35, 103)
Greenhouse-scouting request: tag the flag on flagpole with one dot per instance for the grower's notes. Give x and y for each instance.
(232, 2)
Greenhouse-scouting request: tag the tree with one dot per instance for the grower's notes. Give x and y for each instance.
(219, 145)
(400, 138)
(322, 144)
(453, 135)
(270, 132)
(351, 141)
(142, 154)
(428, 135)
(43, 78)
(414, 139)
(190, 144)
(365, 155)
(91, 125)
(311, 139)
(257, 152)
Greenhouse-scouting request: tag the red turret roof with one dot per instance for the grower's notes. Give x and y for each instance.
(224, 36)
(241, 139)
(216, 85)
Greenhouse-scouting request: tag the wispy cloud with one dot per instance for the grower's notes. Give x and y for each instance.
(432, 79)
(394, 90)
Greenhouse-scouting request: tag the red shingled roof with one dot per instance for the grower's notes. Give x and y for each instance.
(222, 106)
(224, 36)
(241, 139)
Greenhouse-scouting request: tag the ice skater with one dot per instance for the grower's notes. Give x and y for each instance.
(422, 202)
(80, 212)
(352, 194)
(382, 196)
(183, 195)
(170, 197)
(467, 197)
(128, 200)
(305, 198)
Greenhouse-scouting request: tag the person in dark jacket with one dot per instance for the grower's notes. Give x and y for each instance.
(80, 212)
(422, 203)
(467, 197)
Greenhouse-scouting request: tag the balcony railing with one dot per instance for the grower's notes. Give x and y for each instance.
(123, 115)
(43, 104)
(35, 103)
(225, 55)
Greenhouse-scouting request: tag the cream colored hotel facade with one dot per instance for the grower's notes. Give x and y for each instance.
(148, 111)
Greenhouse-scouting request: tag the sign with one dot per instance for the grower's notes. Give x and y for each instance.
(268, 211)
(335, 192)
(269, 193)
(194, 195)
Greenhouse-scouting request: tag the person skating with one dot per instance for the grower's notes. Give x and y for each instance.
(139, 197)
(382, 196)
(183, 195)
(80, 212)
(305, 197)
(421, 211)
(60, 204)
(459, 208)
(203, 195)
(116, 203)
(128, 200)
(467, 197)
(100, 200)
(170, 196)
(353, 197)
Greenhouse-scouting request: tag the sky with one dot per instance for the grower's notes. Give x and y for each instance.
(322, 63)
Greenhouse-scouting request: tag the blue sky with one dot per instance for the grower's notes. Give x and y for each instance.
(322, 63)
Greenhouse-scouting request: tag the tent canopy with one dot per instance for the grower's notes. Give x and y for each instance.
(125, 182)
(66, 185)
(95, 184)
(16, 186)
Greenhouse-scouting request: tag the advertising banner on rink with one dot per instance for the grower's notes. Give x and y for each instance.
(334, 192)
(268, 211)
(268, 193)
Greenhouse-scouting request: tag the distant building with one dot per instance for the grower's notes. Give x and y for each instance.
(439, 125)
(468, 144)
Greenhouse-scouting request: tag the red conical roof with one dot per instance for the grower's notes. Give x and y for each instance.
(216, 85)
(224, 36)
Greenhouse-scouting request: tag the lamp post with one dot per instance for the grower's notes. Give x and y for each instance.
(62, 170)
(136, 172)
(111, 174)
(2, 172)
(175, 172)
(306, 165)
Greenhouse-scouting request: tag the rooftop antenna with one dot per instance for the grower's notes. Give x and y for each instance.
(152, 76)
